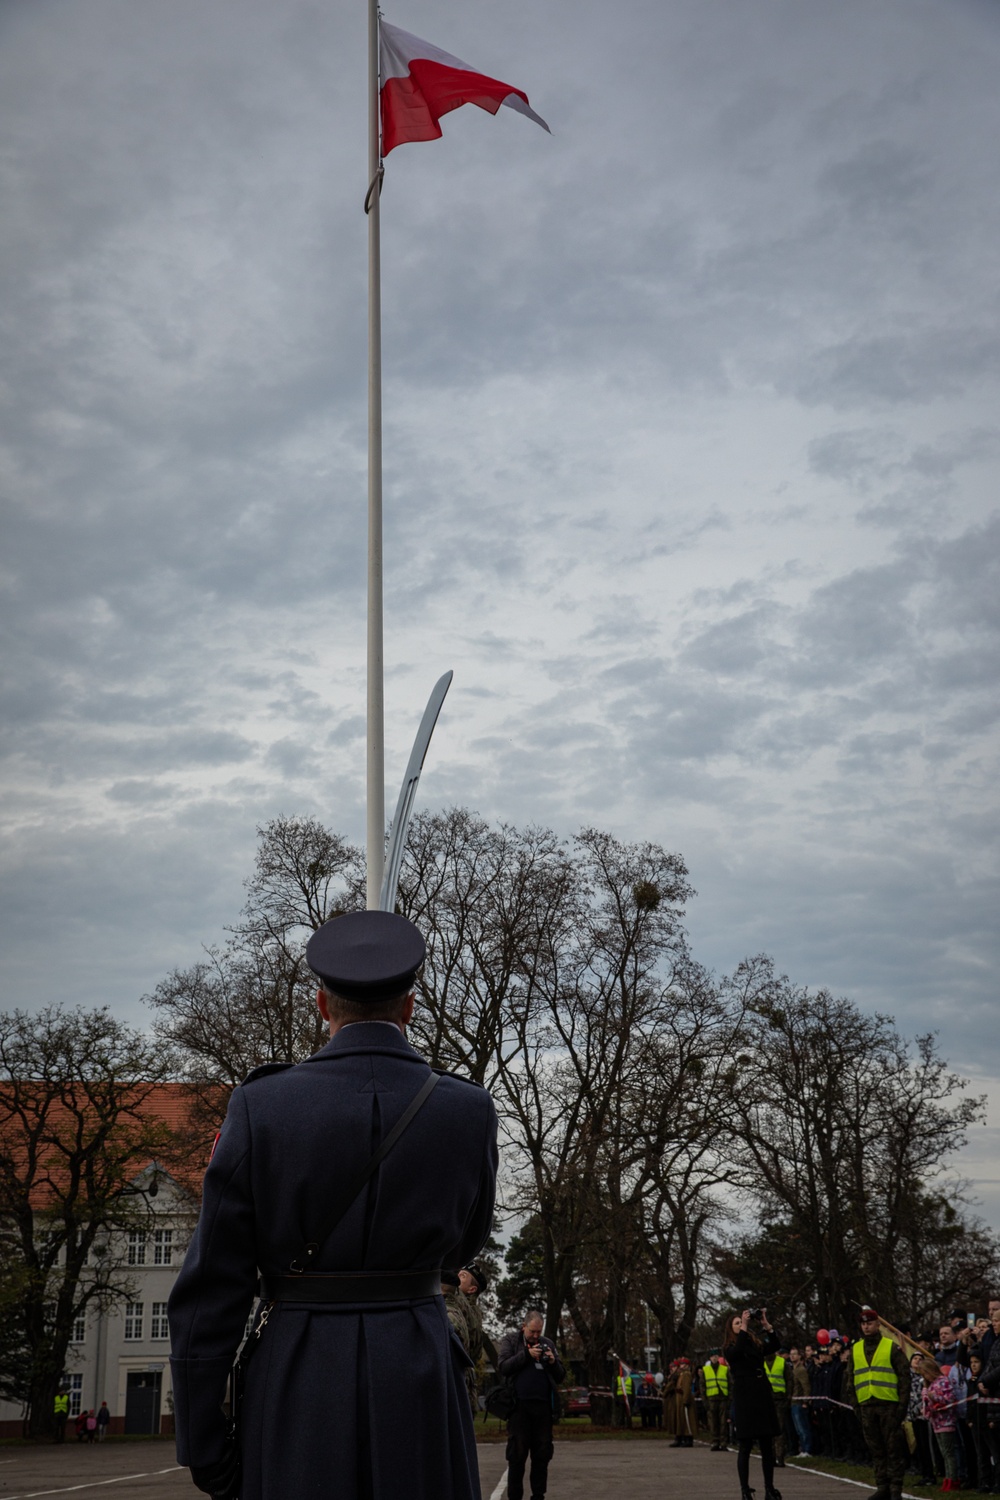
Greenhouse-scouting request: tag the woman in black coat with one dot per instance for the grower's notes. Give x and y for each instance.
(755, 1417)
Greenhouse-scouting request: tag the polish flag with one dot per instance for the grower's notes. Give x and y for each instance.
(420, 83)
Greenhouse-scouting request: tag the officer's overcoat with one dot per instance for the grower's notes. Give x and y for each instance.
(366, 1400)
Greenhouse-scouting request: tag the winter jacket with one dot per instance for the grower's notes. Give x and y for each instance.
(754, 1411)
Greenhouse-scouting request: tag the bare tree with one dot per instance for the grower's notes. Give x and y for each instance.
(75, 1132)
(494, 904)
(683, 1122)
(581, 1052)
(241, 1006)
(636, 1094)
(944, 1257)
(842, 1127)
(253, 1001)
(545, 980)
(303, 876)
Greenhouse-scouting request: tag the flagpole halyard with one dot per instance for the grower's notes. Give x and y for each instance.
(375, 806)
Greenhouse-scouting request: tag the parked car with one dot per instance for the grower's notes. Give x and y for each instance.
(576, 1401)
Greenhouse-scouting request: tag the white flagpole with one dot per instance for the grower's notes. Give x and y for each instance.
(375, 826)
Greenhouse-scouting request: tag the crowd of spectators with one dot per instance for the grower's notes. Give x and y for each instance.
(952, 1424)
(948, 1397)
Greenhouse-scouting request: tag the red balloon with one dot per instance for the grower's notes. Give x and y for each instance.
(823, 1336)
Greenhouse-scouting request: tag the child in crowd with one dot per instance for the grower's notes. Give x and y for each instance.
(939, 1409)
(923, 1456)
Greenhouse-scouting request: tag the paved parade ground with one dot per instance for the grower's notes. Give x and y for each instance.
(588, 1470)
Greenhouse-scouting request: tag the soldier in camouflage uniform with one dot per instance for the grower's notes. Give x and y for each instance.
(878, 1387)
(456, 1307)
(472, 1280)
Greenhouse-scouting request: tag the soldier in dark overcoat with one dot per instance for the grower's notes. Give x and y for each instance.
(356, 1388)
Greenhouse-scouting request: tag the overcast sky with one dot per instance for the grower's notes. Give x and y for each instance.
(692, 430)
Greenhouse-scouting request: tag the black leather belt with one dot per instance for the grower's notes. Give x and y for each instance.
(352, 1286)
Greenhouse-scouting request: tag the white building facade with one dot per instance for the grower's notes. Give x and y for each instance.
(120, 1353)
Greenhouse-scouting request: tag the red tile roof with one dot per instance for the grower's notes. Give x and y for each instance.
(172, 1125)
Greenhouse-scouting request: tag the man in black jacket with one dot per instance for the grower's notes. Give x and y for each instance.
(529, 1360)
(986, 1342)
(989, 1391)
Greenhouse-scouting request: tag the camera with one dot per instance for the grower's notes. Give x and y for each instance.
(757, 1313)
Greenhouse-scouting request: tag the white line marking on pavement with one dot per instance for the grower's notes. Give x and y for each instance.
(96, 1484)
(862, 1484)
(500, 1487)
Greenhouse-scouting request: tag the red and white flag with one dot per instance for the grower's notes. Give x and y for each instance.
(420, 83)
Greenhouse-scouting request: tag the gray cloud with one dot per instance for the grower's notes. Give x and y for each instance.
(690, 458)
(136, 790)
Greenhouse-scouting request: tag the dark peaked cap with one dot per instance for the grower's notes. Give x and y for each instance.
(366, 955)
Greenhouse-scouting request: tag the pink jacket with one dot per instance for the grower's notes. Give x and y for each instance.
(938, 1404)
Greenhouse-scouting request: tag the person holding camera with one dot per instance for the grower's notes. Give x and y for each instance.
(755, 1417)
(529, 1361)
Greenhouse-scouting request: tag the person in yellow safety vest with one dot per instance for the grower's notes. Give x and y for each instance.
(623, 1400)
(779, 1375)
(60, 1411)
(715, 1378)
(878, 1383)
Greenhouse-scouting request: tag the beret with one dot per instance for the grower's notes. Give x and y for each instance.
(366, 955)
(478, 1274)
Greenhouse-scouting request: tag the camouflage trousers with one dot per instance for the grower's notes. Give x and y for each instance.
(781, 1407)
(717, 1408)
(883, 1430)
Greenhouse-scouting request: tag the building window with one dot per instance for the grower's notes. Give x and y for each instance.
(74, 1384)
(133, 1320)
(163, 1247)
(158, 1322)
(79, 1329)
(136, 1247)
(44, 1240)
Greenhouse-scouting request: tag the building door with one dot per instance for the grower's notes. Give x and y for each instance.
(142, 1401)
